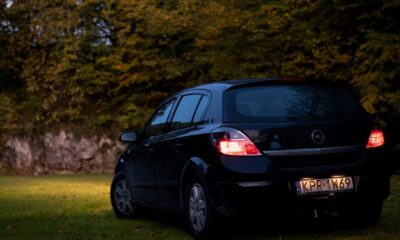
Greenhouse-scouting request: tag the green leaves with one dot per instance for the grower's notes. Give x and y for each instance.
(110, 62)
(8, 114)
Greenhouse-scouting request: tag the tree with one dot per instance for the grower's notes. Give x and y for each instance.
(109, 63)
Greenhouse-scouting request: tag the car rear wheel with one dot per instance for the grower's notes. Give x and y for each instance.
(121, 199)
(200, 213)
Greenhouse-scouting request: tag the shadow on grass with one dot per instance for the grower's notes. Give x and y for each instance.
(157, 224)
(258, 226)
(48, 208)
(299, 225)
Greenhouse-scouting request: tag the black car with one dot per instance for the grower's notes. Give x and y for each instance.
(237, 146)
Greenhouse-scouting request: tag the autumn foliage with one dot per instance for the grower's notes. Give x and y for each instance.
(105, 64)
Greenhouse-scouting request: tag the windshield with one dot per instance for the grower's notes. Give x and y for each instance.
(276, 102)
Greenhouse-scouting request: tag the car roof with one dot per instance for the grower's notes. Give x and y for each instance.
(231, 84)
(224, 85)
(237, 82)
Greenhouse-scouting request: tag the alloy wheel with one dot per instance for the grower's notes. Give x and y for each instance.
(122, 198)
(197, 207)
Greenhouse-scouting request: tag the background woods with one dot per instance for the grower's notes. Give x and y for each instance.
(103, 65)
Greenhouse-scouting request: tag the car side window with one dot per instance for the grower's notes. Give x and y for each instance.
(156, 125)
(200, 109)
(184, 113)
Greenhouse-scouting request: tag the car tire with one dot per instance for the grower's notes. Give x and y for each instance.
(121, 199)
(200, 213)
(365, 213)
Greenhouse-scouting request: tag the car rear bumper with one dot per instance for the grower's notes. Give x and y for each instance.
(232, 198)
(263, 185)
(245, 184)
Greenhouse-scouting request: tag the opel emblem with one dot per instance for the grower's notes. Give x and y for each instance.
(317, 136)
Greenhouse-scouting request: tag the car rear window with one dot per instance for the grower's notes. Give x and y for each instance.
(279, 102)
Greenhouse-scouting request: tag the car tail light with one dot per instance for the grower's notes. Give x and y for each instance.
(376, 139)
(235, 143)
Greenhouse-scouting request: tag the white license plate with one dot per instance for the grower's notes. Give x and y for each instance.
(333, 184)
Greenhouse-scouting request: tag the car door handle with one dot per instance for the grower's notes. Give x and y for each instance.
(148, 147)
(178, 147)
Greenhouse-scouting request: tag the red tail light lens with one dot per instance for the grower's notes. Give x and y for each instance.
(376, 139)
(235, 143)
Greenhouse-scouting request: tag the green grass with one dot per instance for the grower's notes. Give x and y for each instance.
(77, 207)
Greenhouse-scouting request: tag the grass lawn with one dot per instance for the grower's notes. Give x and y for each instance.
(77, 207)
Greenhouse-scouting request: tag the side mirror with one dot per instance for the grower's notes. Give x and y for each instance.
(128, 137)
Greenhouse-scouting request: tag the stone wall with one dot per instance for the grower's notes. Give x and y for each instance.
(60, 152)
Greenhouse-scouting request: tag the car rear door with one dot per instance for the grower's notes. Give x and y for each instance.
(171, 158)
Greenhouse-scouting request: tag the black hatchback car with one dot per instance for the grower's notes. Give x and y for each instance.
(241, 145)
